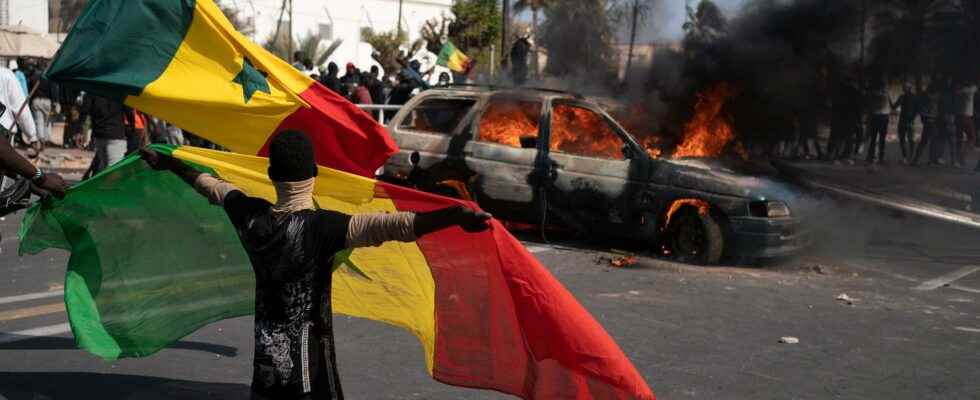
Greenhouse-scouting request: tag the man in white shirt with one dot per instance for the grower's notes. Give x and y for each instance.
(880, 108)
(964, 119)
(13, 98)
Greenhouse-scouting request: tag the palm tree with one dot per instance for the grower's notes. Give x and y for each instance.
(534, 6)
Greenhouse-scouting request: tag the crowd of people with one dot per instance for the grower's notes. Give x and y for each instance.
(947, 110)
(370, 87)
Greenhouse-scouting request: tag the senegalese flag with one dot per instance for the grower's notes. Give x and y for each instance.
(453, 58)
(151, 261)
(183, 61)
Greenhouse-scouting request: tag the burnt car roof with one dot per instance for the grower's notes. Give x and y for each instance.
(495, 90)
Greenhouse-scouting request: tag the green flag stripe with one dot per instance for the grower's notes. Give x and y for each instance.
(151, 260)
(118, 47)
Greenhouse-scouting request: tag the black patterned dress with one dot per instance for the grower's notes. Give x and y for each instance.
(291, 253)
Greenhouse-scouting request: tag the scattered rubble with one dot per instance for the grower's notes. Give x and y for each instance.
(843, 297)
(623, 262)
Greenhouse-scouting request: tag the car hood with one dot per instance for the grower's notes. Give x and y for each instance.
(731, 177)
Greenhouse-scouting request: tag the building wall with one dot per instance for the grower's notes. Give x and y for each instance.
(33, 13)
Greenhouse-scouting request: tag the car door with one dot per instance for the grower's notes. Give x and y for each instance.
(504, 154)
(596, 170)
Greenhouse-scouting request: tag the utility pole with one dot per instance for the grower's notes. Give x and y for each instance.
(290, 39)
(629, 57)
(503, 30)
(399, 18)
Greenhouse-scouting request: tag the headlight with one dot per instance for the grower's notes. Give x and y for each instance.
(768, 209)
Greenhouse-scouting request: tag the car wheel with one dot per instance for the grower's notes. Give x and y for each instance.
(694, 237)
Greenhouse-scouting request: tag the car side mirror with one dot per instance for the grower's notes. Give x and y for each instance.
(627, 152)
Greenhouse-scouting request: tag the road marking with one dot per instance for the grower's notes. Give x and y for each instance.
(32, 311)
(31, 296)
(948, 278)
(965, 329)
(964, 288)
(112, 285)
(27, 334)
(537, 249)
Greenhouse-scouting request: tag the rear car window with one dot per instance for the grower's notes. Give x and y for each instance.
(437, 116)
(579, 131)
(511, 122)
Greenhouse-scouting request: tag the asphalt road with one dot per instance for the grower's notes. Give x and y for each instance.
(911, 332)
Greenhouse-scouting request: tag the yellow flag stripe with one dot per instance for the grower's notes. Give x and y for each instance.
(198, 92)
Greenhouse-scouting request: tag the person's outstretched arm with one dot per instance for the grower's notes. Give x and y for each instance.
(214, 189)
(367, 230)
(43, 184)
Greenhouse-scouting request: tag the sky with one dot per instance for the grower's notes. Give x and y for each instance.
(667, 18)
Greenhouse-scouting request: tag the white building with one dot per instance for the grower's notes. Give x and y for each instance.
(340, 20)
(32, 13)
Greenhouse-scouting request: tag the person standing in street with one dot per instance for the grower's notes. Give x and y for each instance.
(879, 110)
(13, 98)
(907, 104)
(291, 245)
(108, 130)
(42, 106)
(330, 79)
(518, 59)
(929, 112)
(16, 66)
(966, 134)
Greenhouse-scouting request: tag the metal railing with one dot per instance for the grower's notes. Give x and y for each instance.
(378, 111)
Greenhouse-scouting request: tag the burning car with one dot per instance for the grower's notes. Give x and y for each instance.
(543, 156)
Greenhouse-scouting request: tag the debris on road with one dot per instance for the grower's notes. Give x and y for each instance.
(843, 297)
(789, 340)
(623, 262)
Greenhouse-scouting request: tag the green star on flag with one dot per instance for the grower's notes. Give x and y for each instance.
(252, 80)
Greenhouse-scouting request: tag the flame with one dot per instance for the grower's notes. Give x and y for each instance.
(507, 122)
(576, 130)
(700, 205)
(709, 132)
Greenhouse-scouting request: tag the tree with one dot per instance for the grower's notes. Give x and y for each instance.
(241, 24)
(473, 28)
(578, 36)
(68, 12)
(385, 46)
(534, 6)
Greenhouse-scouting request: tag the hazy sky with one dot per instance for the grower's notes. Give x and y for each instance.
(668, 17)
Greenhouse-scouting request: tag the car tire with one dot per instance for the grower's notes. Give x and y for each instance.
(695, 238)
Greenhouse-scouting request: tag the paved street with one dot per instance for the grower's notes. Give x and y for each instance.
(911, 332)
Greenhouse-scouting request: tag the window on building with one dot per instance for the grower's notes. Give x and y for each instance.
(511, 122)
(437, 116)
(579, 131)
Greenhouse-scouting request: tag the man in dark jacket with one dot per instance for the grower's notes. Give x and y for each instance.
(108, 130)
(291, 244)
(330, 79)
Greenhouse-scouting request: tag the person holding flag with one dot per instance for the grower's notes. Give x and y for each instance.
(291, 245)
(454, 59)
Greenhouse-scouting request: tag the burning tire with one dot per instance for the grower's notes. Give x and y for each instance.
(694, 237)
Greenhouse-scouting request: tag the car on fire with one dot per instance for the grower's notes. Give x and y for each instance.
(549, 157)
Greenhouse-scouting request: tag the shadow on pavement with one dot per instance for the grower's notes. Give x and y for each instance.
(85, 385)
(64, 343)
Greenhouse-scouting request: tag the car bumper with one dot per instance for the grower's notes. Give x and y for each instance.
(768, 237)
